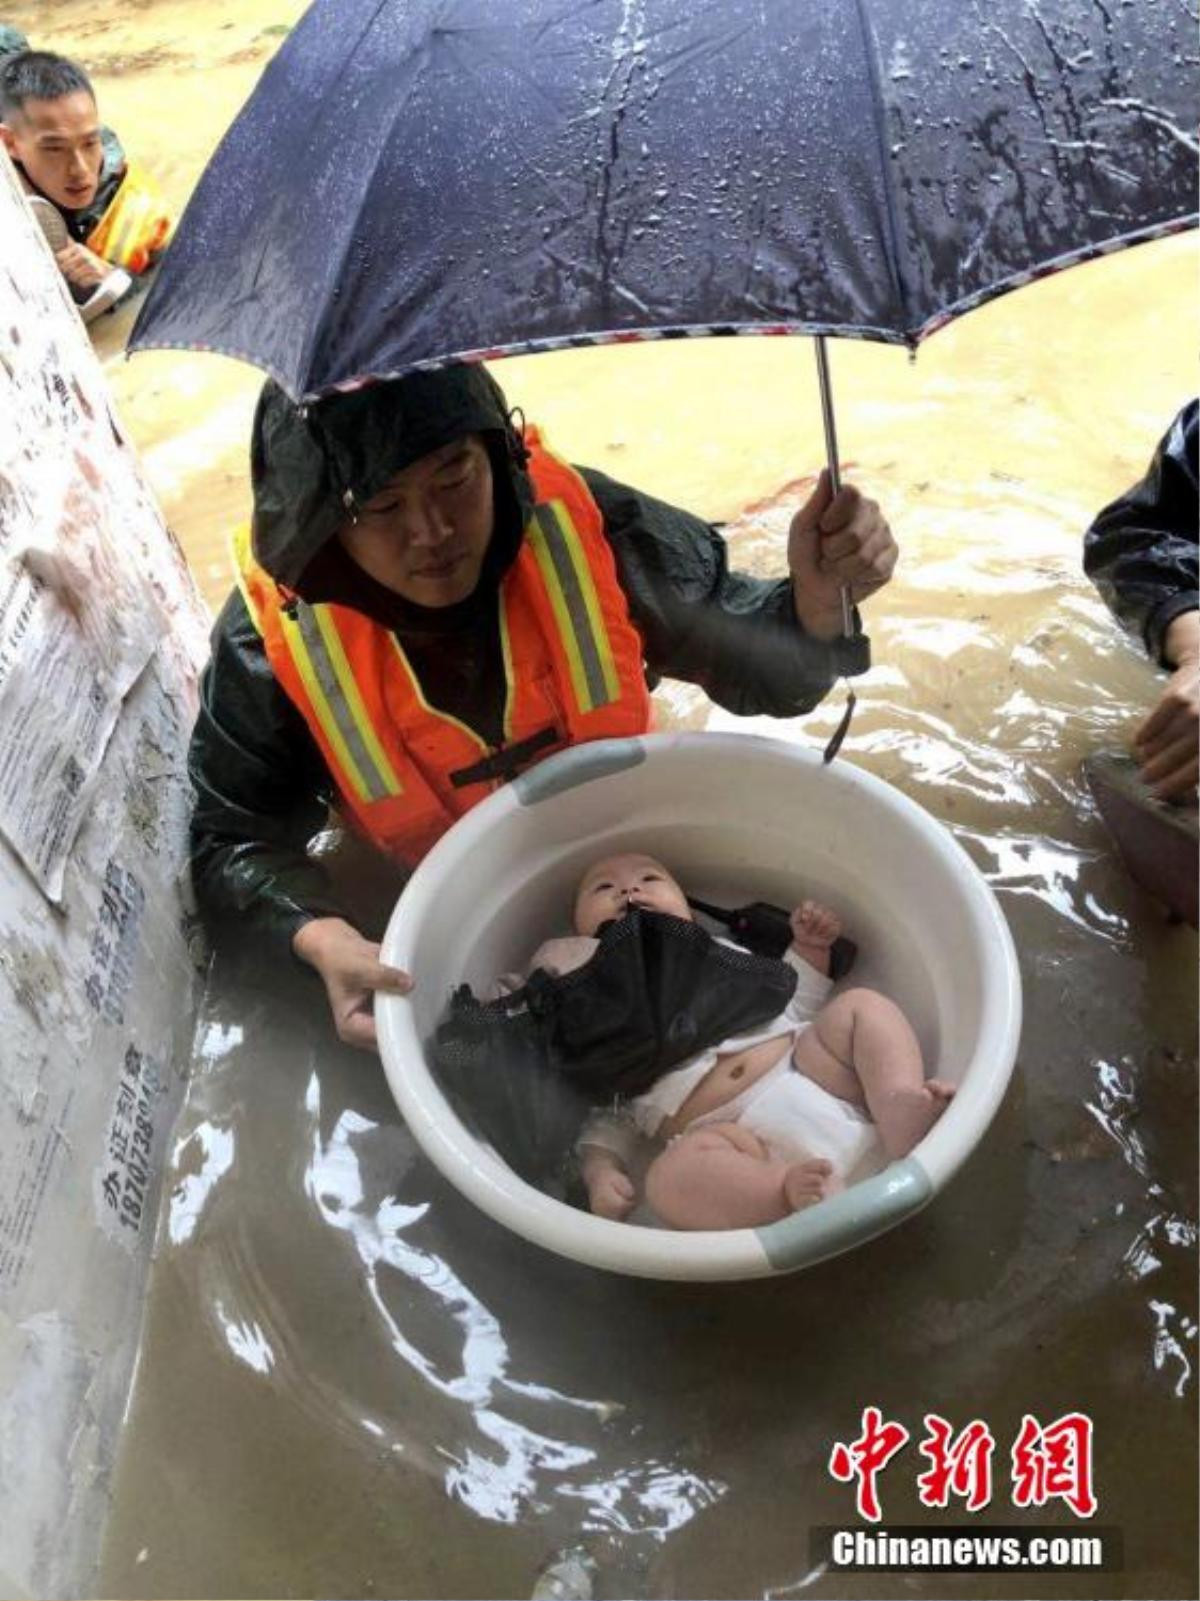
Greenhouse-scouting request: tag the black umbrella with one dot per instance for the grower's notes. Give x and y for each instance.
(415, 180)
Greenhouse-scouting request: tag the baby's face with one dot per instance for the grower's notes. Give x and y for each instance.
(609, 888)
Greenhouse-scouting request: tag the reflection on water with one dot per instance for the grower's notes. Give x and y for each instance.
(214, 1147)
(352, 1383)
(503, 1463)
(1168, 1345)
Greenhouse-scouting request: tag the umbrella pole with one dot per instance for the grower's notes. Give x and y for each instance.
(831, 454)
(835, 480)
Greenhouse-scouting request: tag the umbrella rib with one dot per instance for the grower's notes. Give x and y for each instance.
(414, 64)
(1156, 119)
(893, 245)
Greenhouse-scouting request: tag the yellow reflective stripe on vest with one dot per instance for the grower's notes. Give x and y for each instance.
(240, 552)
(321, 662)
(568, 579)
(128, 220)
(510, 678)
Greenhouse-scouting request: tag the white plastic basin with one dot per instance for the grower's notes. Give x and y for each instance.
(737, 818)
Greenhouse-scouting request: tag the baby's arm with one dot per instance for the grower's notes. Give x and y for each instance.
(605, 1147)
(814, 929)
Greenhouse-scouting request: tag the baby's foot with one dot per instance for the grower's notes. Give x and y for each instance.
(908, 1115)
(806, 1183)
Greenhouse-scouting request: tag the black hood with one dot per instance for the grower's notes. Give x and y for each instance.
(311, 465)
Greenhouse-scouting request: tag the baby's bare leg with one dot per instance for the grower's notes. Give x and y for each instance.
(861, 1048)
(723, 1177)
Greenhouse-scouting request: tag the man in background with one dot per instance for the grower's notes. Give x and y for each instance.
(1141, 553)
(105, 223)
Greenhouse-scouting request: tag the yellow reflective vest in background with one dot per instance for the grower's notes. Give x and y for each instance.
(136, 226)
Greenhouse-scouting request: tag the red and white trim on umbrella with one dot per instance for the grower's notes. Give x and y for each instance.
(629, 336)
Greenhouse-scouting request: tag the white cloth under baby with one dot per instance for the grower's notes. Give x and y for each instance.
(796, 1119)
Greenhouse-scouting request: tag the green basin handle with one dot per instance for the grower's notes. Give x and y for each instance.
(576, 766)
(857, 1214)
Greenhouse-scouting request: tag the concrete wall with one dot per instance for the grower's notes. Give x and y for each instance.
(101, 636)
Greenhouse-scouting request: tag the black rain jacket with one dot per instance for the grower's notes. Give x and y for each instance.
(262, 789)
(1141, 550)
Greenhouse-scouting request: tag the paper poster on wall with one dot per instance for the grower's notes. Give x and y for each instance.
(77, 622)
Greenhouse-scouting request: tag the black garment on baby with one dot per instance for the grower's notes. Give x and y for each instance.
(524, 1071)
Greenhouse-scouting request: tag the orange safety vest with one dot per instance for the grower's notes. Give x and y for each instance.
(573, 664)
(136, 225)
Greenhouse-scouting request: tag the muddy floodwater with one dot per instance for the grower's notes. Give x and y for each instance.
(351, 1382)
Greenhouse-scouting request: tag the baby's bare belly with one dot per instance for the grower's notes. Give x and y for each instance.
(730, 1075)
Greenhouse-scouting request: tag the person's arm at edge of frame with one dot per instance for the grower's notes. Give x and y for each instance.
(756, 646)
(1141, 553)
(259, 782)
(1166, 743)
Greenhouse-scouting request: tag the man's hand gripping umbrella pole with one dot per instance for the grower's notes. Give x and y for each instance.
(840, 550)
(835, 483)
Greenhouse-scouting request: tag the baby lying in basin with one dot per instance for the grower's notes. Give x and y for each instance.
(765, 1124)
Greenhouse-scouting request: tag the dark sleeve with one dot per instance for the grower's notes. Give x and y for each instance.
(261, 793)
(1141, 551)
(735, 636)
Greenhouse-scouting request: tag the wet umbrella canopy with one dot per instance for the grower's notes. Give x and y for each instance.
(419, 179)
